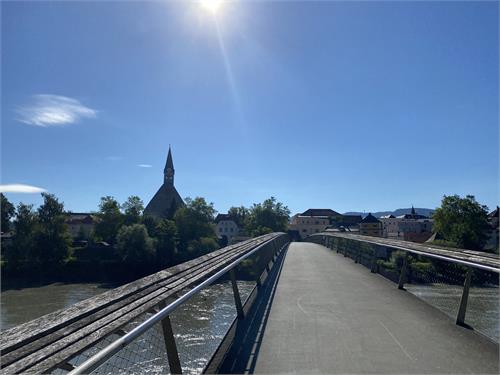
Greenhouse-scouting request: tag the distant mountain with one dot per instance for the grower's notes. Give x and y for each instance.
(400, 211)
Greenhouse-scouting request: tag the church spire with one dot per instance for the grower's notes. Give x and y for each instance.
(412, 210)
(169, 170)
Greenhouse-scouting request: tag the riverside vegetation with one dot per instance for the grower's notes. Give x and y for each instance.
(125, 244)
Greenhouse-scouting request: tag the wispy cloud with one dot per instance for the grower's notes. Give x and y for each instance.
(144, 165)
(113, 158)
(53, 110)
(20, 188)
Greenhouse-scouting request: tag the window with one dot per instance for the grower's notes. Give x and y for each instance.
(304, 230)
(230, 229)
(220, 230)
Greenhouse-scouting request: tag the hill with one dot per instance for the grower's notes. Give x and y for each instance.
(400, 211)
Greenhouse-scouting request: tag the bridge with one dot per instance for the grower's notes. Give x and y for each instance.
(336, 303)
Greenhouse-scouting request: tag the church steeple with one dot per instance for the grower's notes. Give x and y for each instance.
(169, 170)
(413, 210)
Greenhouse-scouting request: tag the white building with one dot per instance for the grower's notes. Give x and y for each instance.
(408, 227)
(314, 220)
(226, 226)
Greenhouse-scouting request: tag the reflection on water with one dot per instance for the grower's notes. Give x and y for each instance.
(482, 308)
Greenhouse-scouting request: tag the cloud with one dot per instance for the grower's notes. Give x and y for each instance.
(53, 110)
(113, 158)
(144, 165)
(20, 188)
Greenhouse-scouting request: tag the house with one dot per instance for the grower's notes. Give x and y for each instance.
(371, 226)
(226, 226)
(493, 240)
(81, 224)
(313, 220)
(408, 227)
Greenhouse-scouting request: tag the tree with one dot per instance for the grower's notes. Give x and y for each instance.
(7, 212)
(269, 216)
(52, 237)
(462, 221)
(110, 219)
(195, 222)
(23, 243)
(134, 244)
(133, 209)
(239, 215)
(166, 237)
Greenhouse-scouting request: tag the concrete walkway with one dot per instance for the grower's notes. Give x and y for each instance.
(330, 315)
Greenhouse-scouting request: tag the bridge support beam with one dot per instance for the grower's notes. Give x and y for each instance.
(237, 298)
(402, 275)
(168, 335)
(465, 298)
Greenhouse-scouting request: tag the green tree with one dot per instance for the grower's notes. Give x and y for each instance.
(22, 250)
(239, 214)
(7, 211)
(133, 209)
(134, 244)
(195, 222)
(52, 237)
(269, 216)
(462, 221)
(110, 220)
(166, 236)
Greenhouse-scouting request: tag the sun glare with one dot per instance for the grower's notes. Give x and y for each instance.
(211, 5)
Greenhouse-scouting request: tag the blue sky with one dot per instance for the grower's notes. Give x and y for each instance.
(362, 106)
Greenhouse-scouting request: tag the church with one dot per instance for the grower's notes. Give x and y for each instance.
(166, 200)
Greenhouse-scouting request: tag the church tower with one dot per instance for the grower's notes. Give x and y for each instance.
(166, 200)
(169, 170)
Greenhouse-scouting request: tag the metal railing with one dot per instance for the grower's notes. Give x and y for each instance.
(163, 315)
(406, 263)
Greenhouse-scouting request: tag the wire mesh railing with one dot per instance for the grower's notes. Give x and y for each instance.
(183, 335)
(466, 291)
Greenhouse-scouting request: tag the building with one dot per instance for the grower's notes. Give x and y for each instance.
(81, 224)
(371, 226)
(408, 227)
(313, 220)
(226, 226)
(166, 200)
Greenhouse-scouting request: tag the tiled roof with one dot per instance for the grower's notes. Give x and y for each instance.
(370, 219)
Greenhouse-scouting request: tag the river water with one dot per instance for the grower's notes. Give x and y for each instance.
(200, 324)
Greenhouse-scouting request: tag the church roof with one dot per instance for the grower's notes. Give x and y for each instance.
(165, 202)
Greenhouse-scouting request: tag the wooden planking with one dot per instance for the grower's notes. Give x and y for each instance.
(86, 342)
(485, 259)
(69, 342)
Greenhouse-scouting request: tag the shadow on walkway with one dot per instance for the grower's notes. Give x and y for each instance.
(244, 352)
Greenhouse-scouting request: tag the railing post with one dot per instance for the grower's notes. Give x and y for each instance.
(237, 299)
(464, 299)
(168, 336)
(402, 275)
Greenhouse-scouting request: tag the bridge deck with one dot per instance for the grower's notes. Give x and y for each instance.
(330, 315)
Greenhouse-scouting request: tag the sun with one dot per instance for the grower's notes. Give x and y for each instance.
(211, 5)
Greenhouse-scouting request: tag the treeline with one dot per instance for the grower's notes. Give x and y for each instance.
(123, 237)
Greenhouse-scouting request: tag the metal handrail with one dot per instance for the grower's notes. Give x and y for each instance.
(99, 358)
(430, 255)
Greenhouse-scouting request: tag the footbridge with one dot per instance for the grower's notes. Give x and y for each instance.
(336, 303)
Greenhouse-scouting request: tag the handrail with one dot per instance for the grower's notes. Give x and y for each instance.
(99, 358)
(418, 252)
